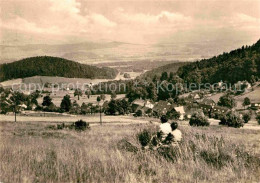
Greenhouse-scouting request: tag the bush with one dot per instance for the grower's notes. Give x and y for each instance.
(60, 126)
(198, 119)
(173, 114)
(217, 115)
(246, 117)
(81, 125)
(258, 118)
(232, 119)
(144, 137)
(139, 113)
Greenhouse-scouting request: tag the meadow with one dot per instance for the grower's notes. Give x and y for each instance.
(35, 152)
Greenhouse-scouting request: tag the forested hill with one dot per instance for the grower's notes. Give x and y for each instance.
(172, 67)
(237, 65)
(53, 66)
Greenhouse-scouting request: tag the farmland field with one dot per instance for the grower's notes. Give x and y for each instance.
(33, 152)
(254, 97)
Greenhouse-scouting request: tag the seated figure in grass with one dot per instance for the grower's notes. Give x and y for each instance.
(168, 134)
(165, 128)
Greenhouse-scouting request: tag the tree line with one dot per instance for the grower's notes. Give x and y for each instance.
(53, 66)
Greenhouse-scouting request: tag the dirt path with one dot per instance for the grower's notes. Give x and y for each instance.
(90, 119)
(106, 120)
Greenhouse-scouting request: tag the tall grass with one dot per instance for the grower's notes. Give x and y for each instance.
(35, 153)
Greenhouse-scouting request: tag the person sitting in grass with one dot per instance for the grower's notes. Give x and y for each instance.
(165, 128)
(167, 135)
(176, 133)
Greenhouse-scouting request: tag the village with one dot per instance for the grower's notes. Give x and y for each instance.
(48, 103)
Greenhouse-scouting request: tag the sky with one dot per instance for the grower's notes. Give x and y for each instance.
(132, 21)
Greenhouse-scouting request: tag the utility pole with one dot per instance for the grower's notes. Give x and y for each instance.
(100, 115)
(98, 100)
(14, 113)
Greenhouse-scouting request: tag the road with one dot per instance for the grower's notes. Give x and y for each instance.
(115, 120)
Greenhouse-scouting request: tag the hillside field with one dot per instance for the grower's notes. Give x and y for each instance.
(33, 152)
(254, 97)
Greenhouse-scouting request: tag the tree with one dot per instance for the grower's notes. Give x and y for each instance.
(16, 99)
(78, 93)
(152, 92)
(113, 95)
(246, 117)
(34, 97)
(98, 99)
(227, 101)
(164, 76)
(198, 119)
(173, 114)
(75, 109)
(246, 102)
(112, 107)
(171, 76)
(66, 103)
(139, 113)
(118, 107)
(88, 93)
(232, 119)
(47, 101)
(258, 118)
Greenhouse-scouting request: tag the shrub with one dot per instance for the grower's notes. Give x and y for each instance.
(258, 118)
(198, 119)
(173, 114)
(144, 137)
(246, 117)
(139, 113)
(218, 115)
(232, 119)
(60, 126)
(227, 101)
(81, 125)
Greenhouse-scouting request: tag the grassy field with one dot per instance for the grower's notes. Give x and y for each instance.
(253, 96)
(57, 98)
(32, 152)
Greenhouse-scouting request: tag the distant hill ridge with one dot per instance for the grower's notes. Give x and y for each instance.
(172, 67)
(237, 65)
(53, 66)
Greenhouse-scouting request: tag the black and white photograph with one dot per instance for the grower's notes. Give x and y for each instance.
(129, 91)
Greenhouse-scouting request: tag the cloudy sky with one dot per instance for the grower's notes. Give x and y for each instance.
(134, 21)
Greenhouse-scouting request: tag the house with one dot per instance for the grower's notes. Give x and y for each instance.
(242, 86)
(139, 102)
(22, 106)
(208, 102)
(181, 110)
(143, 109)
(196, 96)
(26, 92)
(105, 105)
(205, 107)
(255, 105)
(220, 109)
(162, 107)
(189, 101)
(149, 104)
(190, 111)
(144, 103)
(219, 84)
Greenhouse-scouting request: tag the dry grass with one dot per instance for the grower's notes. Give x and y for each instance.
(31, 152)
